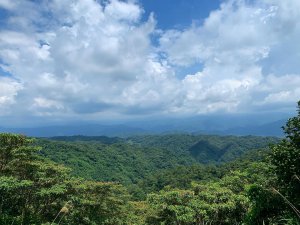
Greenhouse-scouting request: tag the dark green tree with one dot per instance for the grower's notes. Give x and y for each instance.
(34, 190)
(279, 201)
(31, 188)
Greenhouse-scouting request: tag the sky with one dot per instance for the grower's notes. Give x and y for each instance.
(77, 60)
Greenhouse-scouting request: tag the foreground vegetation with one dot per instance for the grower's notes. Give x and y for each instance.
(259, 187)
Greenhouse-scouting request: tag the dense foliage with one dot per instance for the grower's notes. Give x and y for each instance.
(280, 200)
(171, 187)
(119, 162)
(205, 148)
(112, 159)
(34, 190)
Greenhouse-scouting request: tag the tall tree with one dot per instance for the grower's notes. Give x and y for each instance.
(285, 158)
(279, 201)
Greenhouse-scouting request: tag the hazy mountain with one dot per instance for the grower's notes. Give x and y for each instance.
(70, 130)
(269, 129)
(262, 125)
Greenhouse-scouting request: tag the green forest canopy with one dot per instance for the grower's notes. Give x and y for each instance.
(170, 179)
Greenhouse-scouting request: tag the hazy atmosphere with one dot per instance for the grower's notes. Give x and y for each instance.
(121, 60)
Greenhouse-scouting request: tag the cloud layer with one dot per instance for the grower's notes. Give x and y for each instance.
(74, 59)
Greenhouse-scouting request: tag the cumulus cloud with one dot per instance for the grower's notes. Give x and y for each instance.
(7, 4)
(91, 55)
(72, 58)
(8, 91)
(242, 47)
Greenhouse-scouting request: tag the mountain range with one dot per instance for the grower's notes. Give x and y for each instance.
(225, 125)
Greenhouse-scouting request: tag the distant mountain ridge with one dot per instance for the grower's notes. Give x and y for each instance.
(269, 129)
(192, 125)
(71, 130)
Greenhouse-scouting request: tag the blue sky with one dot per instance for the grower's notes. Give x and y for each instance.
(180, 13)
(103, 60)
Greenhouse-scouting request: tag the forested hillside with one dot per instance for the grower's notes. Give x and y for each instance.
(132, 159)
(159, 186)
(122, 162)
(205, 148)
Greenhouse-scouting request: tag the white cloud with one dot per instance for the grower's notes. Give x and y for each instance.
(93, 55)
(123, 11)
(240, 46)
(47, 103)
(69, 58)
(8, 91)
(7, 4)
